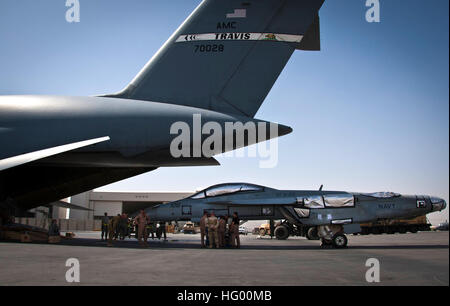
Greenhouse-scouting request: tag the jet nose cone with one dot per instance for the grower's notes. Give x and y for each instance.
(438, 204)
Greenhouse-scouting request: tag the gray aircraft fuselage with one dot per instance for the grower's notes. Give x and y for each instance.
(301, 207)
(139, 141)
(138, 130)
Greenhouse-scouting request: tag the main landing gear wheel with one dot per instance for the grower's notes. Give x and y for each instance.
(340, 241)
(312, 234)
(282, 232)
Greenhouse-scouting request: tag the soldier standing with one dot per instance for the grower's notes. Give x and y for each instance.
(228, 231)
(123, 226)
(203, 228)
(112, 226)
(117, 226)
(105, 221)
(148, 230)
(221, 231)
(130, 227)
(142, 220)
(54, 229)
(235, 239)
(162, 226)
(213, 224)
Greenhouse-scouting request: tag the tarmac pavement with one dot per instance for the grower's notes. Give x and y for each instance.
(405, 259)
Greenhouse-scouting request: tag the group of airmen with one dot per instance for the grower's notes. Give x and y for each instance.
(121, 226)
(219, 232)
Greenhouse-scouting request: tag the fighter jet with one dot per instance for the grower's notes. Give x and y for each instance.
(327, 213)
(217, 67)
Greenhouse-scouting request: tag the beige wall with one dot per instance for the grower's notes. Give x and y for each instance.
(112, 208)
(112, 202)
(83, 201)
(65, 225)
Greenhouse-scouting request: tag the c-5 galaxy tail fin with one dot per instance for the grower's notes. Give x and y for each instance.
(228, 54)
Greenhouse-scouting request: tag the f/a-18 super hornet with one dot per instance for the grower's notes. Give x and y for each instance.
(326, 213)
(217, 67)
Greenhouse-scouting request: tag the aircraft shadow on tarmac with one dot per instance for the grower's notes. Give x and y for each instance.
(174, 244)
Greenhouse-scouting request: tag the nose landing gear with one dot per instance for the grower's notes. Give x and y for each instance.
(332, 236)
(340, 241)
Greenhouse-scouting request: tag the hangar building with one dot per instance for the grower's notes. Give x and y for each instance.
(115, 203)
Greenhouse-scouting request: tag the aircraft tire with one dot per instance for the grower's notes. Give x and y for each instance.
(281, 232)
(312, 234)
(340, 241)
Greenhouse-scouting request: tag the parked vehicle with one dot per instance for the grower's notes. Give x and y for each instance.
(189, 228)
(393, 226)
(440, 227)
(264, 229)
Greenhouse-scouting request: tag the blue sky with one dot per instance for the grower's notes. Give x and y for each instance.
(370, 112)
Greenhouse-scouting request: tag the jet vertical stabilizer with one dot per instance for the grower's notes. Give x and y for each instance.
(228, 54)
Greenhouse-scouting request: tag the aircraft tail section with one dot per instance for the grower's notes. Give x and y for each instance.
(228, 54)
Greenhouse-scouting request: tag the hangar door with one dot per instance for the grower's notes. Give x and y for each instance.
(112, 208)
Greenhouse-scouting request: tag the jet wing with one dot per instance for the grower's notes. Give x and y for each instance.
(33, 156)
(69, 205)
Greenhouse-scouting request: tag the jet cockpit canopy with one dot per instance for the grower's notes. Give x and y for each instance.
(224, 189)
